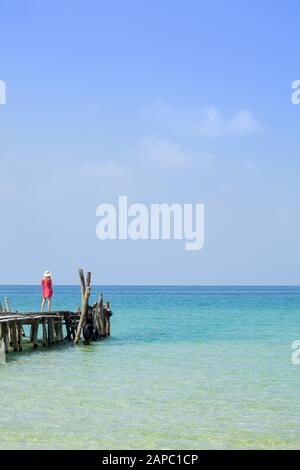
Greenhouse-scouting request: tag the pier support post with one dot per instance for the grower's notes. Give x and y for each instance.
(101, 316)
(56, 330)
(44, 332)
(20, 334)
(98, 319)
(82, 284)
(2, 351)
(83, 314)
(107, 325)
(50, 331)
(5, 333)
(9, 326)
(67, 323)
(31, 334)
(96, 334)
(35, 333)
(14, 330)
(61, 329)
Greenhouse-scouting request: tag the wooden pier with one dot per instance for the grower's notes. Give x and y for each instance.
(89, 323)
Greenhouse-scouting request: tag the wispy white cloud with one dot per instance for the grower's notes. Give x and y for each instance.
(168, 154)
(163, 152)
(199, 122)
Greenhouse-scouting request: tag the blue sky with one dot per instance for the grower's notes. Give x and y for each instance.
(163, 101)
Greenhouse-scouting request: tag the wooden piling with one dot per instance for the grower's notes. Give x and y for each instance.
(31, 334)
(83, 314)
(5, 336)
(101, 316)
(68, 328)
(82, 284)
(14, 330)
(88, 279)
(44, 324)
(60, 329)
(107, 325)
(10, 326)
(97, 319)
(2, 351)
(20, 335)
(35, 333)
(56, 332)
(95, 325)
(50, 331)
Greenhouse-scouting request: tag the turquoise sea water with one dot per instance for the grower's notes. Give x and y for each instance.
(186, 367)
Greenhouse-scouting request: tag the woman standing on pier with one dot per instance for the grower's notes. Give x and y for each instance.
(47, 290)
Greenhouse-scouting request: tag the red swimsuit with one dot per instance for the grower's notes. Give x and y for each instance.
(47, 288)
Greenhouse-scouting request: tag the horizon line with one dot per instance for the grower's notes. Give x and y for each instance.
(157, 285)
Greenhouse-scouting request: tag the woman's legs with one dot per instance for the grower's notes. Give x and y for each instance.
(43, 304)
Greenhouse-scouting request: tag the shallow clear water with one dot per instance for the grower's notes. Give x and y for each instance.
(186, 367)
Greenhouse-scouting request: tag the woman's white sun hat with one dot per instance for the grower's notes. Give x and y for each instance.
(47, 274)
